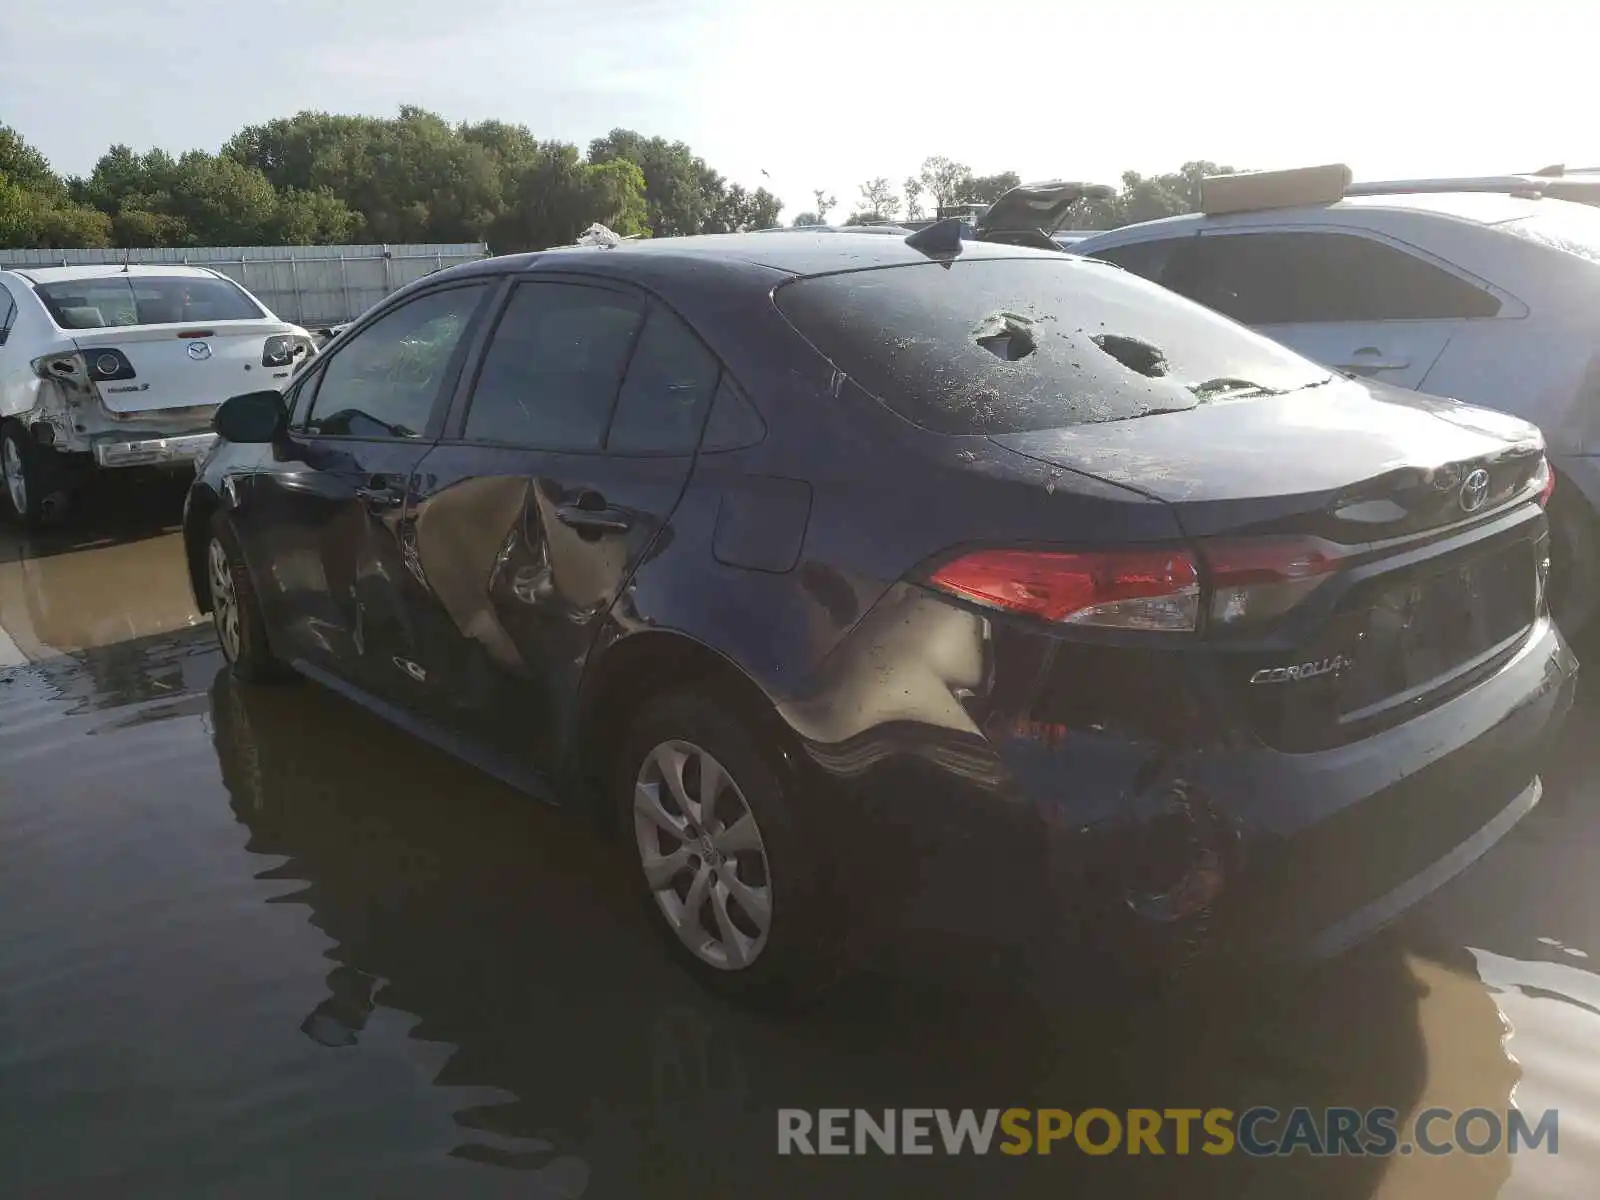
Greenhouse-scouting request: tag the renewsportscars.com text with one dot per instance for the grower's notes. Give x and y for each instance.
(1258, 1132)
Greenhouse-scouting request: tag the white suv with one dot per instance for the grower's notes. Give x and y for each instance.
(122, 366)
(1483, 290)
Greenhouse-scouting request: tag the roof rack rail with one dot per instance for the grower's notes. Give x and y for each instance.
(1515, 185)
(1293, 188)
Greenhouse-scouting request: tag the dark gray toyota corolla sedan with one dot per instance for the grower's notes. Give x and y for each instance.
(880, 586)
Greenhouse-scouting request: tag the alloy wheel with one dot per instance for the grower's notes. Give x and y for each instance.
(16, 480)
(702, 855)
(224, 600)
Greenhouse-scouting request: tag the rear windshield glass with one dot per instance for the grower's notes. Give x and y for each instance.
(1562, 225)
(144, 300)
(1008, 345)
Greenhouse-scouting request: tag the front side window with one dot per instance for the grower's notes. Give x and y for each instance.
(8, 314)
(116, 300)
(1287, 278)
(384, 382)
(551, 372)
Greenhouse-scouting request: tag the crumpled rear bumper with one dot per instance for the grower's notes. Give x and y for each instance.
(152, 451)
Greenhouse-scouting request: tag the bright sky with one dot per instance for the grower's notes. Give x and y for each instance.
(828, 93)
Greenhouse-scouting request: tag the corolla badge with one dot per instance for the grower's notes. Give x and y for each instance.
(1474, 490)
(1302, 671)
(199, 351)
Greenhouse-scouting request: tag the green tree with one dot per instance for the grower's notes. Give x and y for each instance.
(986, 189)
(878, 201)
(805, 220)
(913, 190)
(945, 180)
(681, 191)
(824, 202)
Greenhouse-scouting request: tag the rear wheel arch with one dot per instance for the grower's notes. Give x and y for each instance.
(633, 671)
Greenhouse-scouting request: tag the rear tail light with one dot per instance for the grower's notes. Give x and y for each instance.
(107, 365)
(1257, 579)
(281, 349)
(1138, 589)
(1545, 478)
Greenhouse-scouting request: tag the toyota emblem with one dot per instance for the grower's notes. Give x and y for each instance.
(1474, 490)
(200, 351)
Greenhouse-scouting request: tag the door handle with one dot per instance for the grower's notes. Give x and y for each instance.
(595, 520)
(1370, 358)
(378, 495)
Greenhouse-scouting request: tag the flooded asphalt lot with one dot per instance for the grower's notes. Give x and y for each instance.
(253, 943)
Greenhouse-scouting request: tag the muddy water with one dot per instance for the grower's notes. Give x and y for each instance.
(254, 943)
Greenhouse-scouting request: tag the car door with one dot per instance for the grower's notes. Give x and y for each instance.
(322, 521)
(563, 463)
(1350, 299)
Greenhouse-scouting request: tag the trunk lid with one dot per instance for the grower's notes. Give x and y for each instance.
(184, 365)
(1350, 461)
(1424, 507)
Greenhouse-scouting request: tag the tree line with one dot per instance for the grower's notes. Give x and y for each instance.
(944, 183)
(319, 178)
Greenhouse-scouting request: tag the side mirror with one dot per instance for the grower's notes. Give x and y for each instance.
(251, 417)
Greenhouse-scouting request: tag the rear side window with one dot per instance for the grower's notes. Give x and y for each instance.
(553, 367)
(1145, 259)
(669, 386)
(8, 313)
(1316, 278)
(1007, 345)
(114, 300)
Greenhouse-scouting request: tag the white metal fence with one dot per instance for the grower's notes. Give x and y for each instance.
(309, 285)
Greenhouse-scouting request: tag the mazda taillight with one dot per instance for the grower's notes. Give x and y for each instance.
(1132, 589)
(1256, 579)
(281, 349)
(108, 365)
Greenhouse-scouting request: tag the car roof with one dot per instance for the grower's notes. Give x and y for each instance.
(1478, 208)
(797, 253)
(103, 270)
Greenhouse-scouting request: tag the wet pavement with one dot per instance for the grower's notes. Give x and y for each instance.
(254, 943)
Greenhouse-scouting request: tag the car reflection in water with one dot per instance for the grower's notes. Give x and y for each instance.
(585, 1060)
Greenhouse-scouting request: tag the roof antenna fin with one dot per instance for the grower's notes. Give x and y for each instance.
(942, 239)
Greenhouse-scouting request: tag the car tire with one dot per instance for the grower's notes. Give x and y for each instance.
(1574, 589)
(236, 609)
(760, 932)
(32, 487)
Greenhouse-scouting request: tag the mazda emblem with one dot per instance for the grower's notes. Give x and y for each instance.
(200, 351)
(1474, 490)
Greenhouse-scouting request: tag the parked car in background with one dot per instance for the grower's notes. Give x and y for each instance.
(106, 368)
(1479, 289)
(909, 587)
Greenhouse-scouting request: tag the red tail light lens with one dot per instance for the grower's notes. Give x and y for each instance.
(1138, 589)
(1256, 579)
(1546, 479)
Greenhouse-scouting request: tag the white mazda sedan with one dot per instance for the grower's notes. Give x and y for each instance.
(111, 367)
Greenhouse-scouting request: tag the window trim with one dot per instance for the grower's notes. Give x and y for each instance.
(453, 369)
(1511, 308)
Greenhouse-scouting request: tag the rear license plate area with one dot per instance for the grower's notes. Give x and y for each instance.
(1424, 628)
